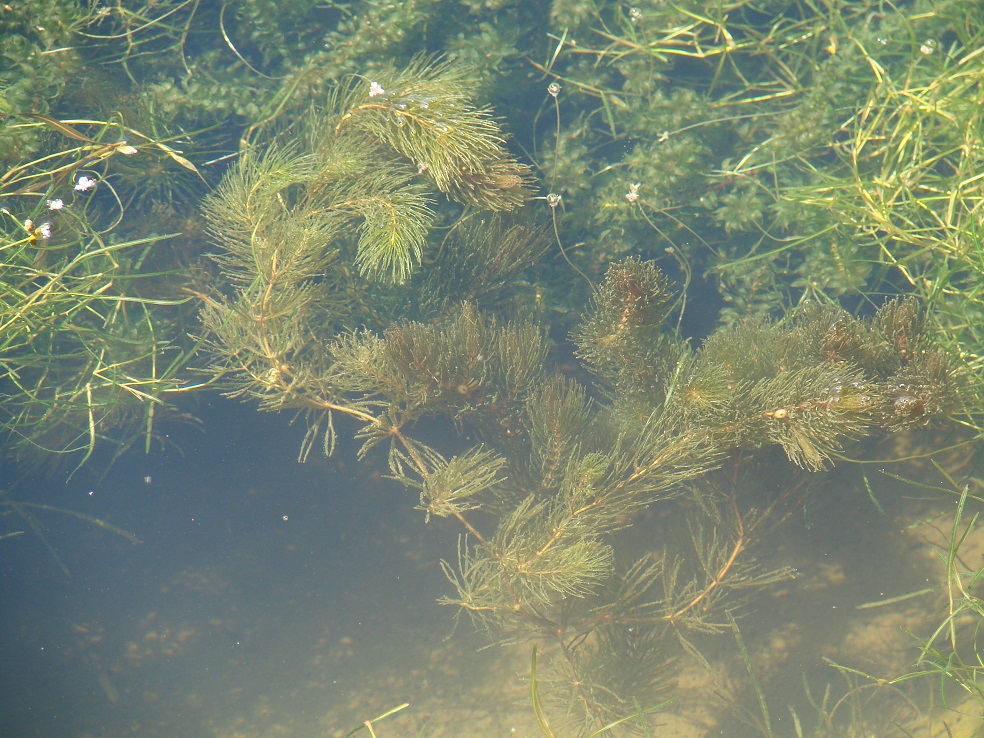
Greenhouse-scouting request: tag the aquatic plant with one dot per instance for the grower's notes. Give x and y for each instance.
(88, 333)
(382, 255)
(835, 144)
(284, 217)
(558, 472)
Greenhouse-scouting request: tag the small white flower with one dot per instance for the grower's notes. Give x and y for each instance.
(55, 204)
(376, 89)
(45, 230)
(84, 184)
(29, 225)
(633, 194)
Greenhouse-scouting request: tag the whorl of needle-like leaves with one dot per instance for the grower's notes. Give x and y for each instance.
(627, 310)
(287, 200)
(623, 341)
(426, 113)
(457, 485)
(625, 317)
(363, 164)
(822, 377)
(560, 414)
(470, 367)
(480, 261)
(591, 686)
(536, 557)
(809, 383)
(254, 218)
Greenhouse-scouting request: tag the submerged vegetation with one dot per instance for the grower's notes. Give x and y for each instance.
(293, 204)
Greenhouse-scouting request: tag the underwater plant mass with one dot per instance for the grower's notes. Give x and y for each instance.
(621, 293)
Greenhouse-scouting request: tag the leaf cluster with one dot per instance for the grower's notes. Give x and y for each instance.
(481, 261)
(86, 352)
(425, 112)
(471, 367)
(809, 383)
(363, 163)
(92, 316)
(308, 229)
(797, 153)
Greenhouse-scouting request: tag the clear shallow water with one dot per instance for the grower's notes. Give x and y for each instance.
(271, 598)
(264, 593)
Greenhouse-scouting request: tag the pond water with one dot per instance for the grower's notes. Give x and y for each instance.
(271, 598)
